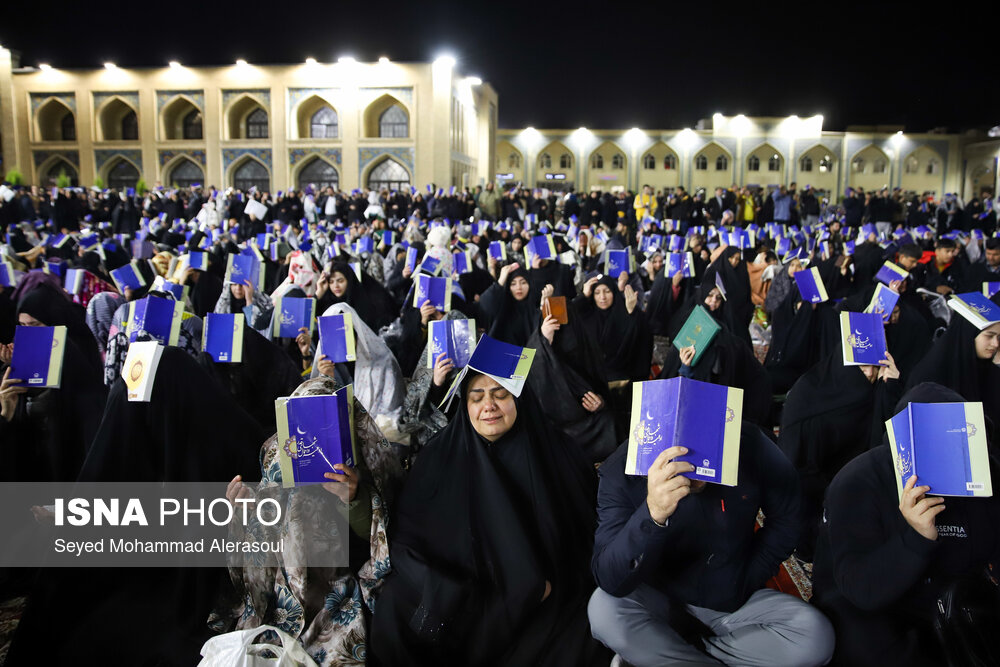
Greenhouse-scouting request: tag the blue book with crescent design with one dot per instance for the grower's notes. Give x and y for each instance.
(433, 289)
(364, 244)
(883, 301)
(315, 433)
(223, 337)
(890, 272)
(336, 336)
(291, 314)
(862, 338)
(944, 445)
(244, 267)
(462, 261)
(706, 418)
(682, 262)
(677, 243)
(811, 285)
(430, 265)
(158, 317)
(498, 251)
(38, 356)
(456, 338)
(989, 289)
(128, 276)
(617, 262)
(976, 308)
(541, 246)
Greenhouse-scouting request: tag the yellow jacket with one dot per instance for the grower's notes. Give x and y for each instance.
(644, 205)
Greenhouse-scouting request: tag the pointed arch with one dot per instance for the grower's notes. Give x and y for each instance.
(387, 174)
(555, 150)
(823, 162)
(923, 170)
(768, 158)
(665, 163)
(117, 120)
(510, 160)
(608, 166)
(319, 171)
(248, 172)
(54, 121)
(316, 118)
(49, 171)
(387, 116)
(241, 113)
(121, 173)
(177, 119)
(868, 168)
(183, 172)
(708, 174)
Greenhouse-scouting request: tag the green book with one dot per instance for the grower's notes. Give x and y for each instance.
(699, 330)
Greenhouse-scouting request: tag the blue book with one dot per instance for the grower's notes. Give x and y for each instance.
(74, 280)
(706, 418)
(883, 301)
(430, 265)
(223, 337)
(456, 338)
(89, 239)
(263, 241)
(244, 267)
(541, 246)
(158, 317)
(617, 262)
(890, 272)
(314, 434)
(436, 290)
(677, 243)
(198, 260)
(849, 247)
(462, 262)
(55, 268)
(38, 356)
(989, 289)
(741, 238)
(682, 262)
(179, 291)
(7, 276)
(862, 338)
(364, 244)
(142, 249)
(720, 284)
(389, 237)
(653, 242)
(976, 308)
(411, 259)
(783, 246)
(498, 251)
(291, 314)
(128, 276)
(811, 285)
(506, 363)
(944, 445)
(336, 336)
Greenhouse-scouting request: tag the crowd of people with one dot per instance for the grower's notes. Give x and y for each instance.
(499, 529)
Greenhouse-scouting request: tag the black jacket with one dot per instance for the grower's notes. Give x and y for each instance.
(708, 554)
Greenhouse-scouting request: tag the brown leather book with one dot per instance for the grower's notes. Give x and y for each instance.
(555, 306)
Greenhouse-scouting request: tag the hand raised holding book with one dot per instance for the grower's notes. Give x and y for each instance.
(505, 271)
(325, 366)
(588, 287)
(10, 393)
(344, 486)
(550, 326)
(428, 312)
(547, 291)
(665, 487)
(687, 355)
(442, 366)
(919, 510)
(888, 370)
(304, 341)
(248, 292)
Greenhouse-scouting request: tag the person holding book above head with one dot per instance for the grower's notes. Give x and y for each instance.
(729, 266)
(900, 557)
(490, 542)
(244, 297)
(340, 284)
(511, 306)
(681, 568)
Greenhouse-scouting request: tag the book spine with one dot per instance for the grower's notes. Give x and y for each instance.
(285, 462)
(631, 458)
(236, 352)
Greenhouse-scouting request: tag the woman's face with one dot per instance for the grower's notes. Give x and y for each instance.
(26, 320)
(794, 267)
(734, 260)
(516, 243)
(237, 291)
(657, 263)
(714, 299)
(871, 372)
(987, 342)
(603, 297)
(519, 288)
(492, 409)
(338, 284)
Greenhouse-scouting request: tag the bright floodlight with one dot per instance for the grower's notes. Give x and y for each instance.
(383, 60)
(473, 80)
(110, 66)
(174, 64)
(44, 67)
(741, 125)
(310, 61)
(634, 137)
(241, 63)
(445, 61)
(686, 137)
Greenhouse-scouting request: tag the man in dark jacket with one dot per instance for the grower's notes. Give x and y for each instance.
(682, 572)
(854, 208)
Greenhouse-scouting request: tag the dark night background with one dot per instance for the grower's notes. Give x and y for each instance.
(595, 64)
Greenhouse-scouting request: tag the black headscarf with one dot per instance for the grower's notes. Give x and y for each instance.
(793, 347)
(867, 260)
(623, 338)
(662, 309)
(952, 363)
(53, 308)
(736, 280)
(480, 528)
(508, 319)
(368, 298)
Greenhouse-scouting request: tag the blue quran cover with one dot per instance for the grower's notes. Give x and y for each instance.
(7, 276)
(990, 288)
(158, 317)
(74, 280)
(436, 290)
(811, 285)
(541, 246)
(291, 314)
(364, 244)
(706, 418)
(682, 262)
(862, 338)
(890, 272)
(179, 291)
(38, 356)
(142, 249)
(883, 301)
(944, 445)
(457, 338)
(783, 246)
(314, 434)
(244, 267)
(198, 260)
(223, 337)
(506, 363)
(430, 265)
(462, 261)
(498, 251)
(128, 276)
(677, 243)
(411, 259)
(336, 337)
(976, 308)
(617, 262)
(849, 247)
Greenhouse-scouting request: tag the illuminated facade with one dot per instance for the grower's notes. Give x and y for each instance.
(348, 124)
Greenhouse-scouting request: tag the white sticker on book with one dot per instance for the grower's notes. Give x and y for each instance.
(707, 472)
(974, 486)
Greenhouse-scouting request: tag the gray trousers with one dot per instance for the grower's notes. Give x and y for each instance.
(772, 629)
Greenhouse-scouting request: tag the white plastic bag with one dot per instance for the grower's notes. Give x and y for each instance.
(236, 649)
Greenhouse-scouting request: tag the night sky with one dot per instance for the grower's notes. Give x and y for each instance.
(594, 64)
